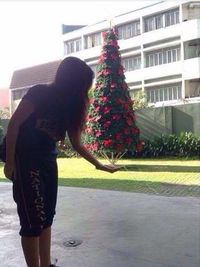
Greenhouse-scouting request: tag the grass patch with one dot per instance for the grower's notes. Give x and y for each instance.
(162, 177)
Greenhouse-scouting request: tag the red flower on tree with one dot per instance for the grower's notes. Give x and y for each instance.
(120, 101)
(138, 147)
(128, 140)
(113, 85)
(89, 130)
(135, 130)
(97, 118)
(97, 108)
(98, 133)
(106, 72)
(129, 121)
(118, 136)
(116, 117)
(107, 109)
(126, 106)
(113, 56)
(103, 98)
(126, 131)
(107, 124)
(95, 146)
(107, 142)
(119, 148)
(121, 70)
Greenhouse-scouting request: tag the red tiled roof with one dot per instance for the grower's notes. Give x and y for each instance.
(43, 73)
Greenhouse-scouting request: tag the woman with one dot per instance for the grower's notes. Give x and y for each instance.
(43, 117)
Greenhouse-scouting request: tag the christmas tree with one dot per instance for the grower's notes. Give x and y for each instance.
(110, 127)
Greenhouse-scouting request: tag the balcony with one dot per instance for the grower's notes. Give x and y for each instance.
(191, 68)
(190, 30)
(158, 71)
(160, 34)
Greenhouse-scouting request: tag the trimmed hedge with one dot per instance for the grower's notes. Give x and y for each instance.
(184, 145)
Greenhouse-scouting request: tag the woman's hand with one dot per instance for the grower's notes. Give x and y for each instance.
(9, 170)
(108, 168)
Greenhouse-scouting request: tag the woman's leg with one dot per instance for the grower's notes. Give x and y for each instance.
(28, 193)
(30, 247)
(49, 176)
(45, 247)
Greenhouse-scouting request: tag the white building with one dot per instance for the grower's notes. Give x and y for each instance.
(159, 45)
(160, 50)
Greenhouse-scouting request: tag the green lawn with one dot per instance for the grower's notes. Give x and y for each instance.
(162, 177)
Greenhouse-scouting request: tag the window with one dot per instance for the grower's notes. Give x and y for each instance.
(93, 40)
(72, 46)
(163, 56)
(128, 30)
(152, 96)
(174, 55)
(160, 94)
(157, 95)
(165, 94)
(169, 59)
(78, 45)
(171, 17)
(161, 20)
(150, 24)
(132, 63)
(192, 48)
(175, 93)
(160, 61)
(170, 93)
(156, 58)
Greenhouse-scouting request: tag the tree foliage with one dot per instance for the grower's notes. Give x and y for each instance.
(111, 124)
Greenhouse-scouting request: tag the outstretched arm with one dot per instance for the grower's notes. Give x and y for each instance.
(75, 139)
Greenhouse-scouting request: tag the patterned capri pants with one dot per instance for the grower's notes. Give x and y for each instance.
(35, 184)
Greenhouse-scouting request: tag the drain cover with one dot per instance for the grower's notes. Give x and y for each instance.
(72, 243)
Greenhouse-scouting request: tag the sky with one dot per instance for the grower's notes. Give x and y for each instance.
(31, 31)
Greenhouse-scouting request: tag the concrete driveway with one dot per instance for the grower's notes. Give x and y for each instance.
(117, 229)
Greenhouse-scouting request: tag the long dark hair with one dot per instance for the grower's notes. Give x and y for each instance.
(73, 80)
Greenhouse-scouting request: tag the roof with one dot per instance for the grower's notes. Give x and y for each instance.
(43, 73)
(70, 28)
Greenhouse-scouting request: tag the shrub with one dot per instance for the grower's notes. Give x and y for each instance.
(140, 101)
(4, 113)
(66, 150)
(184, 145)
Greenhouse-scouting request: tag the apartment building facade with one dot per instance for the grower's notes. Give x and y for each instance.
(159, 46)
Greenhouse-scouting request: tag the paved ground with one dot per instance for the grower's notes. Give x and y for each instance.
(117, 229)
